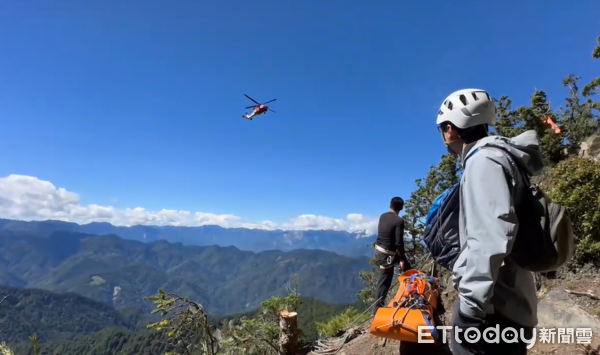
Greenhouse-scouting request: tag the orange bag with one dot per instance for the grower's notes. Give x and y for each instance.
(413, 305)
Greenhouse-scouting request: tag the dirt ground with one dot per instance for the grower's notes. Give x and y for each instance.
(586, 281)
(370, 345)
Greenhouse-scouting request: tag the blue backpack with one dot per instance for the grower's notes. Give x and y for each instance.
(441, 232)
(441, 226)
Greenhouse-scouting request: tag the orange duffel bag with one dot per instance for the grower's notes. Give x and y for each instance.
(413, 305)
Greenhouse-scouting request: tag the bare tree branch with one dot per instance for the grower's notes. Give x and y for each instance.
(586, 294)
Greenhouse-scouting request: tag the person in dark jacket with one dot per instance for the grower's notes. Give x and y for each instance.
(389, 249)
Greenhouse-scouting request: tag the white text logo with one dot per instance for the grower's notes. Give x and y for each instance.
(510, 335)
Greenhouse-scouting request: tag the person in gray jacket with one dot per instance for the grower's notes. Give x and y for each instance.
(492, 289)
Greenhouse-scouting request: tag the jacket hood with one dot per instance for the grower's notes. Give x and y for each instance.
(524, 149)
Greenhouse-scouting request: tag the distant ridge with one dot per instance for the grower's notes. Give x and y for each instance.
(340, 242)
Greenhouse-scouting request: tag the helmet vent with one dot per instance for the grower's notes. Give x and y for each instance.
(474, 96)
(463, 99)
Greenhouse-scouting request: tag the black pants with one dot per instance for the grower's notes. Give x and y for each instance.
(407, 348)
(485, 348)
(385, 277)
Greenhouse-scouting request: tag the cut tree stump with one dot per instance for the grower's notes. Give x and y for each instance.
(288, 332)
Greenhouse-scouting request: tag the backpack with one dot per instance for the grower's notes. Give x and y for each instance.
(544, 240)
(441, 228)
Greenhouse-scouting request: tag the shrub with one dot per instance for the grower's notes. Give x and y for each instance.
(349, 317)
(575, 184)
(5, 350)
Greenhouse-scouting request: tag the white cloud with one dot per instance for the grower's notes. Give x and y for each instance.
(29, 198)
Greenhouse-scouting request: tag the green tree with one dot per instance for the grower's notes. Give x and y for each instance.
(509, 123)
(593, 87)
(369, 279)
(261, 334)
(192, 333)
(438, 179)
(35, 347)
(581, 112)
(579, 117)
(534, 118)
(186, 323)
(596, 51)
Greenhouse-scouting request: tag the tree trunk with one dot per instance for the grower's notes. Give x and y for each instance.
(288, 332)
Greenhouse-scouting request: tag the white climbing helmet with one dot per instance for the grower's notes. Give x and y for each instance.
(467, 108)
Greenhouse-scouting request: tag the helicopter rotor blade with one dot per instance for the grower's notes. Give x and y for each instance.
(251, 107)
(251, 99)
(272, 111)
(269, 101)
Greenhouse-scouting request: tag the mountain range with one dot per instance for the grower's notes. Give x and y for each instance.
(256, 240)
(121, 272)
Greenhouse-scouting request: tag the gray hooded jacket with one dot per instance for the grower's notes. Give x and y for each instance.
(486, 279)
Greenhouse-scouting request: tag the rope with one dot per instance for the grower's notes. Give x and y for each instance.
(368, 309)
(334, 345)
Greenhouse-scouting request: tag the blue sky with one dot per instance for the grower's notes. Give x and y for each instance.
(138, 103)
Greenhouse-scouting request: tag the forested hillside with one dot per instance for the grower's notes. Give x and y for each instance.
(122, 272)
(73, 324)
(52, 315)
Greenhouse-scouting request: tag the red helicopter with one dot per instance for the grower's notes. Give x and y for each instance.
(259, 109)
